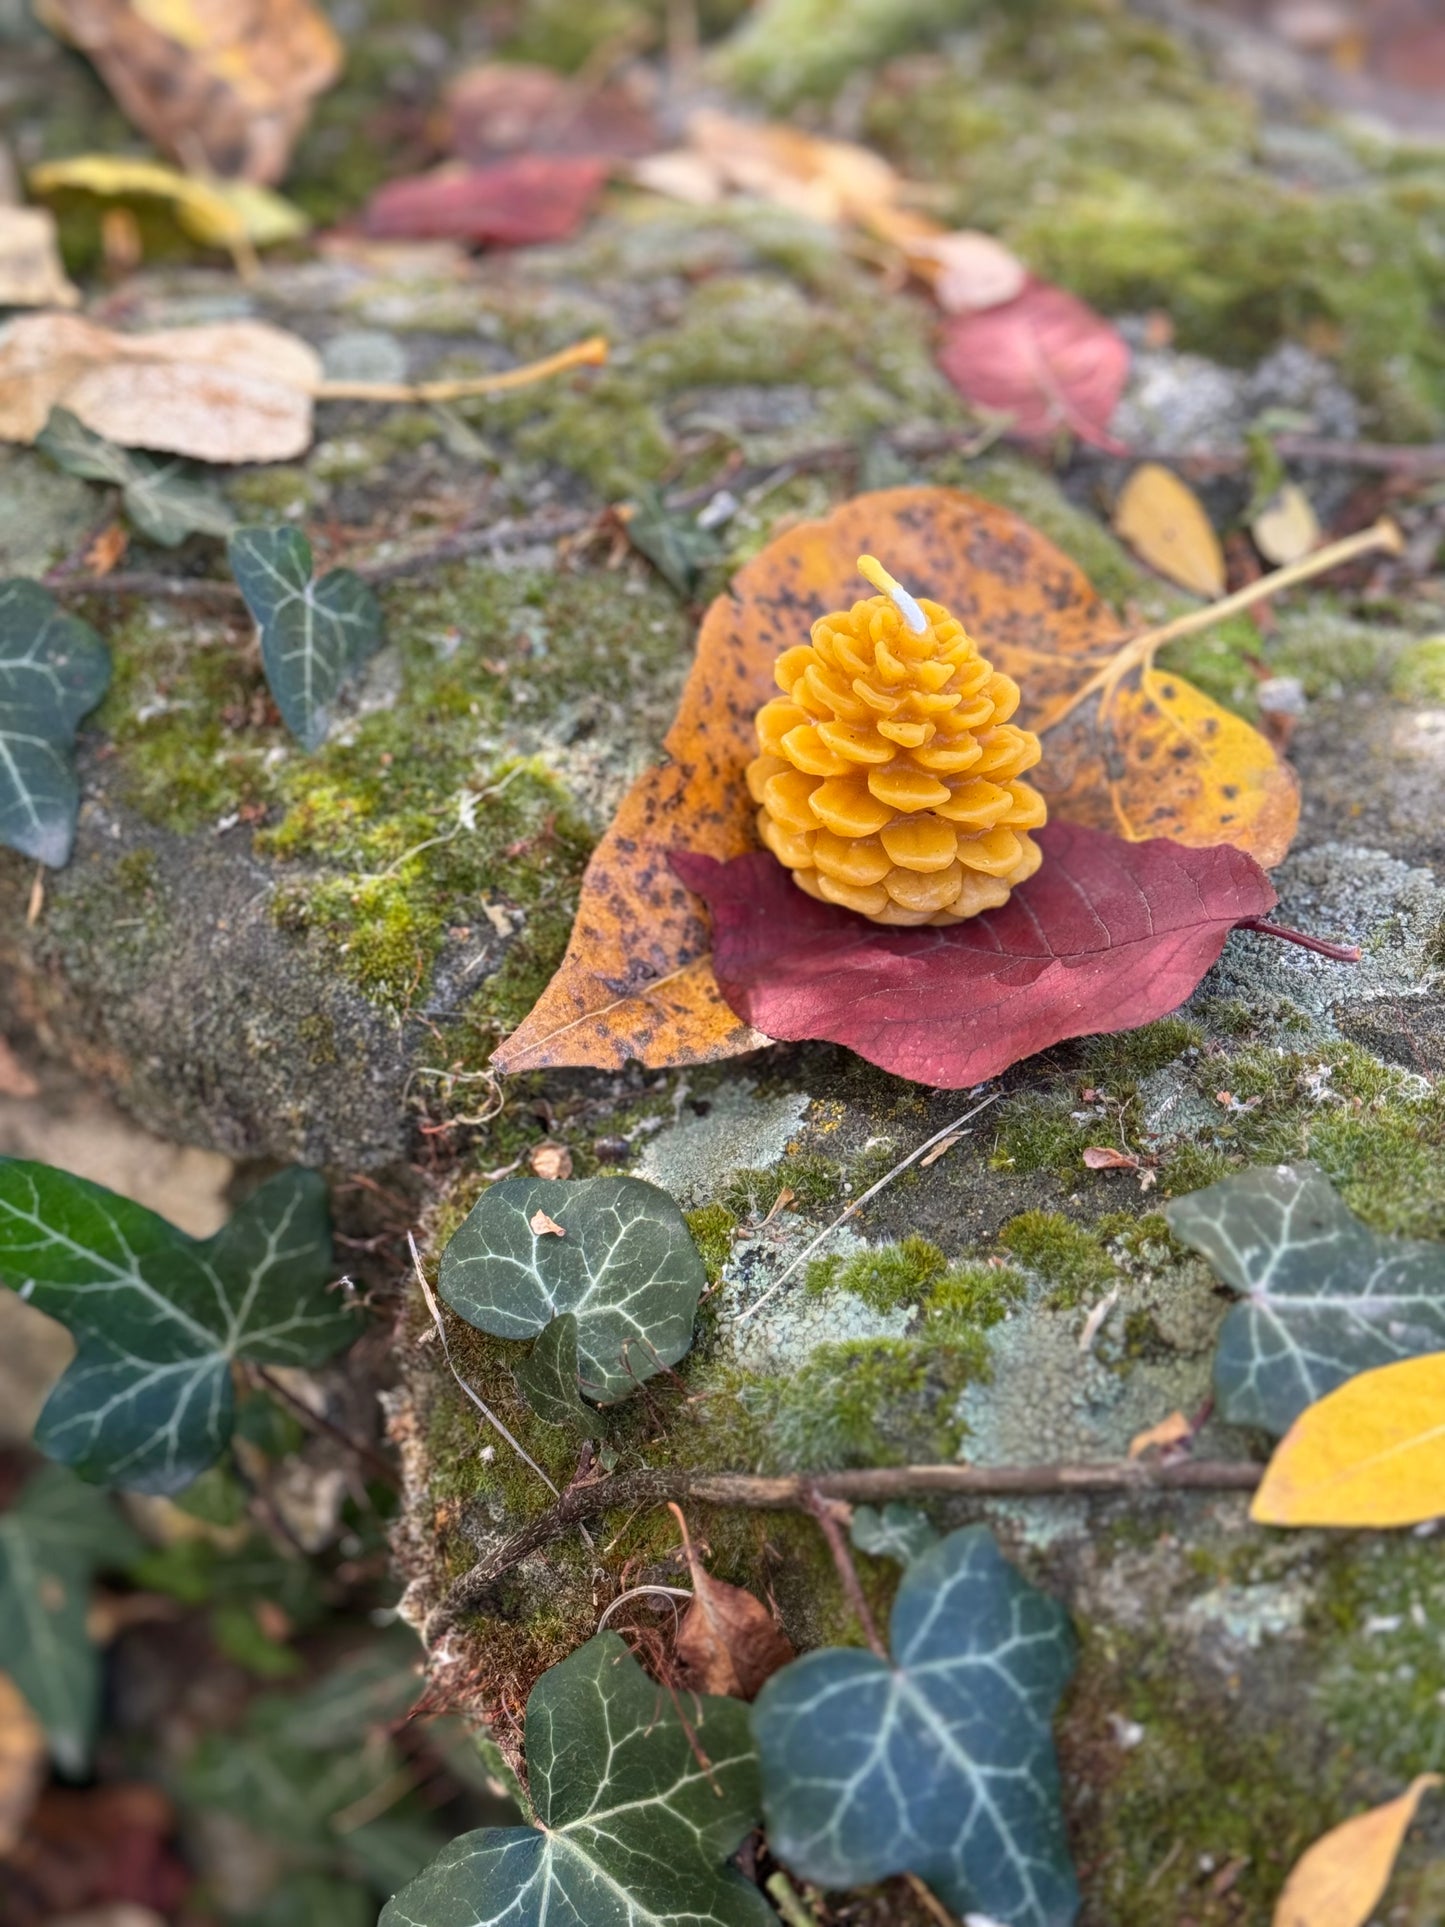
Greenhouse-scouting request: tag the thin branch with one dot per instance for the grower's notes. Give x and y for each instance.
(852, 1210)
(590, 353)
(1341, 952)
(382, 1468)
(789, 1492)
(155, 588)
(823, 1511)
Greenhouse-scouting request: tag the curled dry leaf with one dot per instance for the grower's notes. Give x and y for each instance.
(230, 391)
(30, 272)
(1103, 1157)
(826, 179)
(1338, 1881)
(542, 1226)
(1287, 528)
(1046, 360)
(1105, 936)
(1126, 748)
(1370, 1453)
(550, 1161)
(728, 1641)
(224, 83)
(1174, 1430)
(1164, 522)
(511, 203)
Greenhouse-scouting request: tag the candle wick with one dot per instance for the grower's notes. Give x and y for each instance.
(872, 570)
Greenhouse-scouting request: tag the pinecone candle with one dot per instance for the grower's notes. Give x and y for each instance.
(889, 775)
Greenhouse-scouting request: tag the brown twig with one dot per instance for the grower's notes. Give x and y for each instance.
(319, 1422)
(829, 1525)
(789, 1492)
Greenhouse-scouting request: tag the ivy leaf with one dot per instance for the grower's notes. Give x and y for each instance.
(940, 1764)
(898, 1532)
(53, 670)
(547, 1376)
(1324, 1296)
(1108, 935)
(161, 495)
(315, 635)
(51, 1541)
(631, 1825)
(160, 1317)
(673, 543)
(626, 1265)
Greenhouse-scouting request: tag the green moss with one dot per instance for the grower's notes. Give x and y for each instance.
(975, 1296)
(1382, 1685)
(1123, 1059)
(136, 871)
(712, 1228)
(815, 1182)
(1037, 1133)
(869, 1401)
(1071, 1261)
(883, 1276)
(791, 49)
(1420, 672)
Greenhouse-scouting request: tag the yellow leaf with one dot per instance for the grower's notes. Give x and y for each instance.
(1288, 528)
(1370, 1453)
(219, 214)
(1163, 521)
(1339, 1880)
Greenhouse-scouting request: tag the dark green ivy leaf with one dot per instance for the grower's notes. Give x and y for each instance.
(53, 670)
(547, 1377)
(315, 635)
(940, 1764)
(159, 1318)
(631, 1824)
(625, 1264)
(673, 543)
(1324, 1297)
(162, 493)
(55, 1536)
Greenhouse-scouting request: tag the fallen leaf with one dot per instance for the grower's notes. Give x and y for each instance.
(1045, 360)
(229, 391)
(1163, 521)
(681, 175)
(162, 494)
(728, 1641)
(509, 106)
(512, 203)
(1174, 1430)
(54, 669)
(828, 180)
(1287, 528)
(672, 542)
(15, 1080)
(1148, 755)
(23, 1762)
(222, 83)
(941, 1149)
(1107, 935)
(1370, 1453)
(30, 272)
(1103, 1157)
(235, 215)
(550, 1161)
(969, 271)
(1338, 1882)
(542, 1226)
(106, 550)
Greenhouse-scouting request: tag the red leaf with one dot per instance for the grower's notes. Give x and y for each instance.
(1045, 358)
(1106, 936)
(536, 197)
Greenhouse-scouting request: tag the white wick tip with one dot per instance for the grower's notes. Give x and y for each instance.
(872, 570)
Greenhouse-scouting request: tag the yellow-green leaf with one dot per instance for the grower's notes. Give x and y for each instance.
(1371, 1453)
(218, 214)
(1163, 521)
(1339, 1880)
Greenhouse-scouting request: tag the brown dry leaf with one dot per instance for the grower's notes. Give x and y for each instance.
(728, 1641)
(231, 391)
(1288, 528)
(106, 549)
(969, 270)
(30, 272)
(1103, 1157)
(550, 1161)
(1338, 1881)
(828, 180)
(1174, 1430)
(544, 1227)
(1133, 750)
(1163, 521)
(22, 1763)
(1369, 1453)
(224, 85)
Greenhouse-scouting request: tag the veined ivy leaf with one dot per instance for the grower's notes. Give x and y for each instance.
(547, 1377)
(1324, 1297)
(315, 635)
(159, 1317)
(940, 1764)
(58, 1532)
(631, 1824)
(53, 670)
(898, 1531)
(162, 494)
(625, 1264)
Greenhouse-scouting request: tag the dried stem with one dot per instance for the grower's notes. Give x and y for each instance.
(823, 1510)
(1341, 952)
(590, 353)
(790, 1492)
(318, 1422)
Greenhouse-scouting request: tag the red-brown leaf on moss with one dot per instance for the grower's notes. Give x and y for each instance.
(1046, 359)
(1107, 936)
(511, 203)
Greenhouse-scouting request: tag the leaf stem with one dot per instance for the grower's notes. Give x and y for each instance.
(1341, 952)
(315, 1421)
(590, 353)
(825, 1512)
